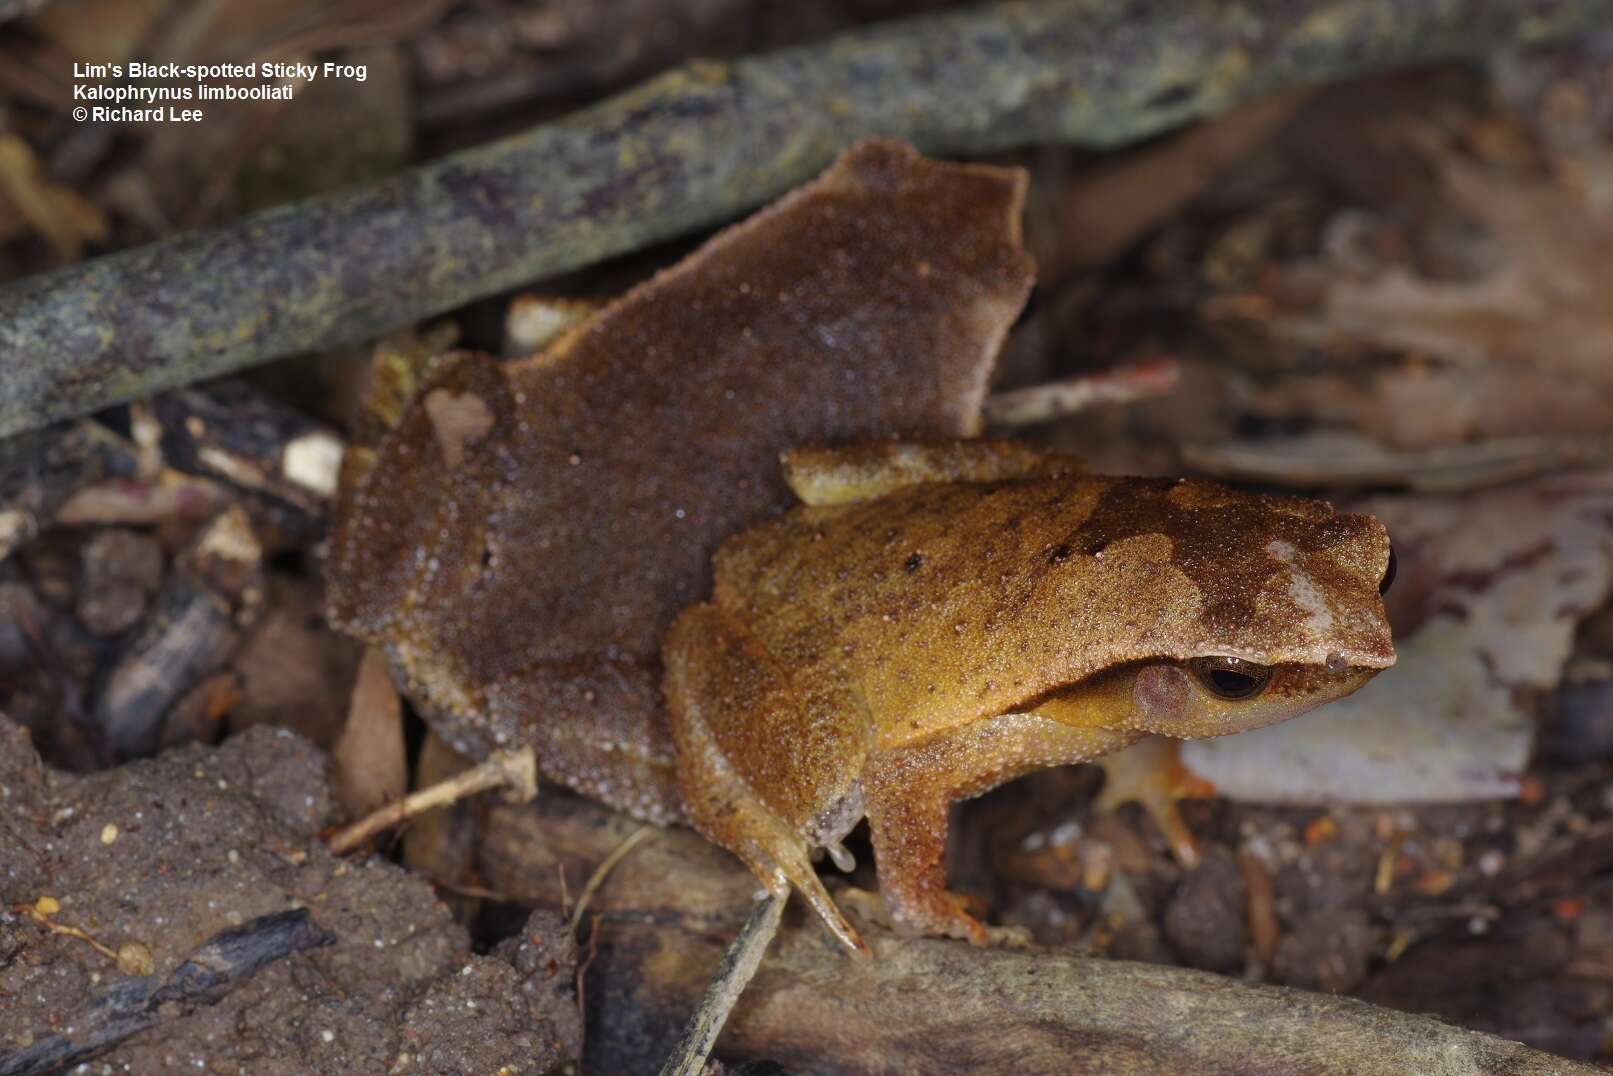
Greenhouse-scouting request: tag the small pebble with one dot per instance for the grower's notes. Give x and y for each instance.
(134, 958)
(1328, 950)
(119, 571)
(1204, 920)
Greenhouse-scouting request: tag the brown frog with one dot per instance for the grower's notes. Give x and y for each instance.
(938, 619)
(941, 615)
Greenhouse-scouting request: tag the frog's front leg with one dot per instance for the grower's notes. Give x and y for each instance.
(910, 789)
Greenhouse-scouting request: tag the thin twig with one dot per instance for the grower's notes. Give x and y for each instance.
(1057, 399)
(1337, 459)
(515, 770)
(702, 143)
(463, 889)
(41, 911)
(739, 963)
(597, 879)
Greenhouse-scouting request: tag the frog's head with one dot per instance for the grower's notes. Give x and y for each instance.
(1239, 610)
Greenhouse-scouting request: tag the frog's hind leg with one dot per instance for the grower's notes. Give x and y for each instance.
(727, 812)
(721, 690)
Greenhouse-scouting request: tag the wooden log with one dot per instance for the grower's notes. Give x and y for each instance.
(667, 912)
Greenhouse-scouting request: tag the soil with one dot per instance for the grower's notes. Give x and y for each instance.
(165, 853)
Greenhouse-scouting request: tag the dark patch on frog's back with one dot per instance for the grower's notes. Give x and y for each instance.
(1209, 527)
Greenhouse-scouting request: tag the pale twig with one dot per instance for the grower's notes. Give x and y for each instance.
(132, 957)
(515, 770)
(1056, 399)
(739, 963)
(41, 911)
(1337, 459)
(597, 879)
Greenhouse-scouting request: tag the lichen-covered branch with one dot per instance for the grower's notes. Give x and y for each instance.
(686, 150)
(11, 9)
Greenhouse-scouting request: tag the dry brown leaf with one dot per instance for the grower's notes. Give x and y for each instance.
(1513, 339)
(295, 673)
(1110, 208)
(62, 217)
(440, 844)
(523, 593)
(99, 31)
(371, 767)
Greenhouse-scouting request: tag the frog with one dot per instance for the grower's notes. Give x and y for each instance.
(934, 619)
(543, 549)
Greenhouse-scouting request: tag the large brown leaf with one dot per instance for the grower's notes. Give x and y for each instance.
(528, 531)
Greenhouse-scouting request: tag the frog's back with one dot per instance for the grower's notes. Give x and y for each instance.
(954, 601)
(919, 571)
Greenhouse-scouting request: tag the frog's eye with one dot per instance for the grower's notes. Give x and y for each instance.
(1388, 574)
(1231, 678)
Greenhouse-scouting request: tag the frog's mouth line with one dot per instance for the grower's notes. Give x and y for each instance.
(1126, 697)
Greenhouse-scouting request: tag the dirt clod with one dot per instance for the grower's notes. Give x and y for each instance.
(1327, 950)
(121, 569)
(1205, 918)
(211, 839)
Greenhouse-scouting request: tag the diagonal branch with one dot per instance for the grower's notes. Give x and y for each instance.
(684, 151)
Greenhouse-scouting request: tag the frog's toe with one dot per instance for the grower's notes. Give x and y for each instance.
(954, 921)
(865, 904)
(794, 865)
(1009, 938)
(960, 924)
(779, 860)
(943, 913)
(1150, 774)
(946, 917)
